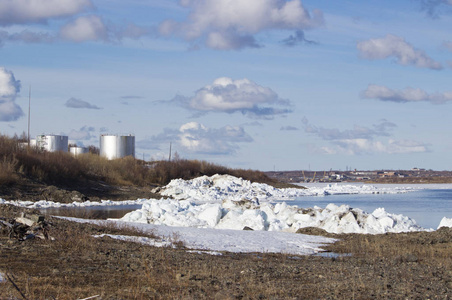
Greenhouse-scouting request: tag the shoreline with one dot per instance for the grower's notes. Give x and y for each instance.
(77, 265)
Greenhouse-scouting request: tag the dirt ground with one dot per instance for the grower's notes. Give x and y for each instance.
(27, 189)
(75, 265)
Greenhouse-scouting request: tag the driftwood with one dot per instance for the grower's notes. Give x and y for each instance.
(26, 227)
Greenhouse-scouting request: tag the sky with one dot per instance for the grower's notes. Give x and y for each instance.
(259, 84)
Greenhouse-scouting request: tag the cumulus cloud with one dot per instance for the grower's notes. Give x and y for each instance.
(196, 138)
(34, 11)
(80, 28)
(406, 95)
(94, 28)
(9, 89)
(397, 47)
(84, 133)
(233, 24)
(363, 140)
(86, 28)
(229, 96)
(77, 103)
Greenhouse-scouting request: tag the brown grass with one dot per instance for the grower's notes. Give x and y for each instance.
(75, 266)
(59, 168)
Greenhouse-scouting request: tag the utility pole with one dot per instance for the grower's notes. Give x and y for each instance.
(169, 159)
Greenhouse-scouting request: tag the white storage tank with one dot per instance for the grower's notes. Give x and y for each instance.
(117, 146)
(52, 143)
(78, 150)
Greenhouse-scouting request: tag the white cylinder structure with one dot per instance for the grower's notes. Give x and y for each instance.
(117, 146)
(78, 150)
(52, 143)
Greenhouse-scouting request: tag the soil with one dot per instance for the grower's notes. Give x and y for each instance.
(75, 265)
(27, 189)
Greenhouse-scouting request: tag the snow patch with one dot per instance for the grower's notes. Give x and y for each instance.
(445, 222)
(213, 240)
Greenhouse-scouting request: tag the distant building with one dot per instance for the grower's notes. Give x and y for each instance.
(117, 146)
(52, 143)
(76, 151)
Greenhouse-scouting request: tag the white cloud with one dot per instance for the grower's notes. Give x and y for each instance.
(31, 11)
(77, 103)
(407, 95)
(229, 96)
(232, 24)
(394, 46)
(9, 88)
(197, 138)
(364, 146)
(94, 28)
(363, 140)
(83, 133)
(86, 28)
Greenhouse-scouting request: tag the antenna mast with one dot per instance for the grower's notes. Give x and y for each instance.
(29, 104)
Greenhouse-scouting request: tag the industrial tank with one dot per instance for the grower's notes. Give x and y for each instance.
(52, 143)
(78, 150)
(117, 146)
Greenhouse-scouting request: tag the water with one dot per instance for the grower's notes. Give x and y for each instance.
(426, 206)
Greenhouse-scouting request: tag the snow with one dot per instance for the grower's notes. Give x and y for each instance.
(220, 187)
(215, 241)
(238, 215)
(228, 202)
(445, 222)
(49, 204)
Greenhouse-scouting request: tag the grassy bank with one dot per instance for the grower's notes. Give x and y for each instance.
(76, 266)
(59, 168)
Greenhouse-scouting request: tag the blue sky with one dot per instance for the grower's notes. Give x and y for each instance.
(259, 84)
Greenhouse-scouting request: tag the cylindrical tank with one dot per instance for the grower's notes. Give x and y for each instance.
(117, 146)
(78, 150)
(52, 143)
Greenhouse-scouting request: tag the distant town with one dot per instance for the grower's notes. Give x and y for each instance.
(415, 175)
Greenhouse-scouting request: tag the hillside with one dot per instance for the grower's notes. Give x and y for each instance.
(29, 174)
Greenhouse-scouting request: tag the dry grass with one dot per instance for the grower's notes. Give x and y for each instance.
(416, 246)
(77, 266)
(60, 168)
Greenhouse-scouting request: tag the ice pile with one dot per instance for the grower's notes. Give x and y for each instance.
(445, 222)
(222, 187)
(248, 214)
(48, 204)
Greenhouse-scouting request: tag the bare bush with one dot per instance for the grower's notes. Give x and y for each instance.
(62, 168)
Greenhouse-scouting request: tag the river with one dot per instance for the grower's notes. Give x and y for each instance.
(427, 205)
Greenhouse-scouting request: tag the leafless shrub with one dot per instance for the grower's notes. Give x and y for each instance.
(61, 167)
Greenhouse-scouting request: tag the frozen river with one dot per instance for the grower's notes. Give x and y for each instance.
(427, 206)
